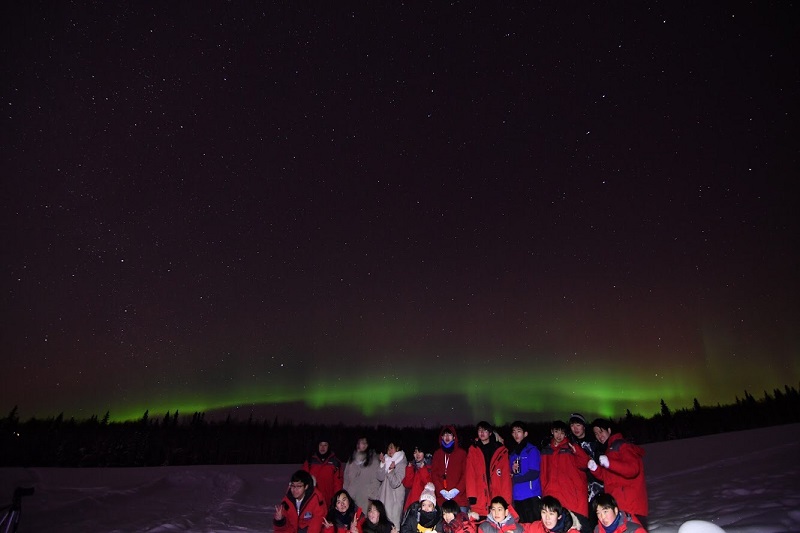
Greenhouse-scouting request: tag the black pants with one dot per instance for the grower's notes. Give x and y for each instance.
(529, 510)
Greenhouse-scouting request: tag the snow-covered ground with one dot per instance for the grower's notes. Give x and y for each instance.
(744, 482)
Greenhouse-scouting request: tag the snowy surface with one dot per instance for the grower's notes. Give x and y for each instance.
(747, 481)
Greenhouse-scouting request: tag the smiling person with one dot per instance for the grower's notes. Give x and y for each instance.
(344, 515)
(621, 469)
(303, 509)
(499, 519)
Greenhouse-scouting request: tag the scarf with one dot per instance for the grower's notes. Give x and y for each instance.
(398, 456)
(614, 525)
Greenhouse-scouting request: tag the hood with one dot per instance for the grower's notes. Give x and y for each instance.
(451, 429)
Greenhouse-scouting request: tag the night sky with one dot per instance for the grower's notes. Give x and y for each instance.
(397, 213)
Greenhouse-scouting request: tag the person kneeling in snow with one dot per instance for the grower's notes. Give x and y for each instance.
(423, 516)
(555, 519)
(499, 520)
(611, 519)
(302, 509)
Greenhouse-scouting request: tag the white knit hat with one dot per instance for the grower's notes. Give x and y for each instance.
(428, 493)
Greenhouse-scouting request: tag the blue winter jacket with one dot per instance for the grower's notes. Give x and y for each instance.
(527, 483)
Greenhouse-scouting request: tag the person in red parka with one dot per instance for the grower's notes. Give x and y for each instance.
(611, 519)
(418, 474)
(621, 469)
(303, 508)
(563, 474)
(448, 469)
(488, 471)
(327, 470)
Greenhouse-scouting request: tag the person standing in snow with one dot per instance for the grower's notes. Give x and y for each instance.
(488, 471)
(525, 468)
(448, 469)
(563, 473)
(361, 474)
(418, 474)
(326, 469)
(621, 469)
(391, 473)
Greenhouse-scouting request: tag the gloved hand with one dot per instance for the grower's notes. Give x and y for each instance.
(592, 465)
(604, 460)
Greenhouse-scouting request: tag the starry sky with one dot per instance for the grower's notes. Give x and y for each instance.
(397, 213)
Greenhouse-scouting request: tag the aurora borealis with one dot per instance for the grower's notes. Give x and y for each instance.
(399, 213)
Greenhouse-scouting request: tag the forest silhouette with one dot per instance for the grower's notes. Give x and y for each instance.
(178, 439)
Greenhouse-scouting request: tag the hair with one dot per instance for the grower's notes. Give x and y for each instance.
(519, 424)
(333, 512)
(450, 506)
(383, 519)
(602, 423)
(369, 452)
(551, 503)
(499, 499)
(303, 477)
(604, 500)
(483, 424)
(559, 424)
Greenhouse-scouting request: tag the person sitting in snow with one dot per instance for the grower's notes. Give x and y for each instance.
(555, 518)
(303, 508)
(344, 515)
(454, 519)
(424, 516)
(611, 520)
(499, 519)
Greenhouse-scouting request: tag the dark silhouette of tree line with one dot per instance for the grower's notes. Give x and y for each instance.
(174, 439)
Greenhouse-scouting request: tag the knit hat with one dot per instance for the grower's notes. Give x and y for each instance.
(577, 417)
(428, 493)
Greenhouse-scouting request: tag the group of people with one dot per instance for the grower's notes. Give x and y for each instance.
(583, 477)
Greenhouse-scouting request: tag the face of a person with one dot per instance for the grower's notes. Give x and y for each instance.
(427, 506)
(601, 434)
(373, 515)
(391, 449)
(549, 518)
(447, 438)
(606, 516)
(297, 489)
(419, 456)
(558, 435)
(342, 503)
(517, 434)
(483, 435)
(323, 448)
(578, 429)
(499, 512)
(362, 445)
(448, 517)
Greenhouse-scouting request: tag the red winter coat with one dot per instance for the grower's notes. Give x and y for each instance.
(309, 520)
(448, 470)
(498, 484)
(328, 474)
(624, 477)
(563, 475)
(415, 481)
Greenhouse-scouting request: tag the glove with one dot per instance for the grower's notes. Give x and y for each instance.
(604, 460)
(453, 493)
(592, 465)
(449, 494)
